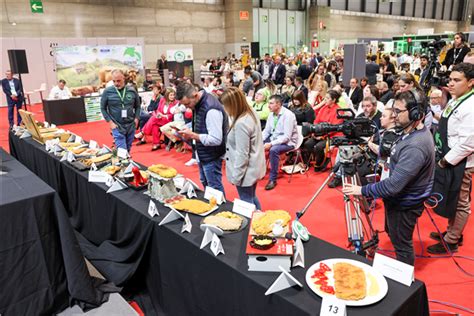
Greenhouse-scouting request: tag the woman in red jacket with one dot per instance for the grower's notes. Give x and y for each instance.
(161, 116)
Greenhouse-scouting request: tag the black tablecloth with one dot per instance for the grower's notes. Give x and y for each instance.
(42, 270)
(118, 235)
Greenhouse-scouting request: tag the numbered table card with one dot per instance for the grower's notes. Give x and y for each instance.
(332, 306)
(394, 269)
(243, 208)
(218, 195)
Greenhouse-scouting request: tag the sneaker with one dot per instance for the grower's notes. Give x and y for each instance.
(270, 185)
(435, 236)
(438, 249)
(335, 182)
(139, 135)
(191, 162)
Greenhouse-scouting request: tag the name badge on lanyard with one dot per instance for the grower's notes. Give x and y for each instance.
(122, 97)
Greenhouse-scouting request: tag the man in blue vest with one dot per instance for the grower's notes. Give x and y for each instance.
(210, 125)
(12, 89)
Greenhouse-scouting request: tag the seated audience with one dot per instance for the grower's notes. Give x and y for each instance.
(304, 113)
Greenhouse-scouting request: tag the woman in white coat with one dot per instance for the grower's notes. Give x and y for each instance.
(245, 157)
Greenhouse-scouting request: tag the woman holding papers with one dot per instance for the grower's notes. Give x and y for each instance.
(245, 158)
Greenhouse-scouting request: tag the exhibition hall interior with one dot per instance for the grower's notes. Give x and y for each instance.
(236, 157)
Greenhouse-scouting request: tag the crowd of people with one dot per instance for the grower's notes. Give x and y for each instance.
(423, 140)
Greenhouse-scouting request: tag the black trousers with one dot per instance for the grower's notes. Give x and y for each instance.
(399, 224)
(316, 147)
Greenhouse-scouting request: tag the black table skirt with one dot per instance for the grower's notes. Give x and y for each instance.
(119, 237)
(42, 269)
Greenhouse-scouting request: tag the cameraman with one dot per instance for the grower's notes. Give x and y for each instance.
(411, 176)
(454, 147)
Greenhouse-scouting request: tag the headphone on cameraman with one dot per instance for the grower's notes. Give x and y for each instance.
(415, 111)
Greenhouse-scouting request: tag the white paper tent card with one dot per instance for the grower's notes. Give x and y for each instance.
(332, 306)
(284, 281)
(187, 225)
(394, 269)
(171, 217)
(243, 208)
(152, 209)
(298, 256)
(213, 193)
(117, 186)
(216, 245)
(25, 135)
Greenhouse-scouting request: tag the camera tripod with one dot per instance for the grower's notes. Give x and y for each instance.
(354, 206)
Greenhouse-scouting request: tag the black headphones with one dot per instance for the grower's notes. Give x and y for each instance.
(415, 112)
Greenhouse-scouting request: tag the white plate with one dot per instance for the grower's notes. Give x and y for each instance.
(371, 276)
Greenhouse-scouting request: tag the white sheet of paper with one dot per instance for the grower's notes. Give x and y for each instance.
(394, 269)
(187, 225)
(243, 208)
(179, 182)
(117, 186)
(94, 167)
(152, 209)
(171, 217)
(298, 256)
(122, 153)
(216, 245)
(78, 140)
(98, 176)
(93, 144)
(53, 126)
(206, 239)
(211, 192)
(332, 306)
(284, 281)
(46, 124)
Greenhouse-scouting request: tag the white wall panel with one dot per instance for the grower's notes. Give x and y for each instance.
(272, 27)
(282, 18)
(255, 22)
(263, 31)
(300, 30)
(291, 32)
(354, 5)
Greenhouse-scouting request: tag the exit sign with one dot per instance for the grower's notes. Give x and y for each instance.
(36, 6)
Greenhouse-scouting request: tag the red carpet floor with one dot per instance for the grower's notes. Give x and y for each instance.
(325, 219)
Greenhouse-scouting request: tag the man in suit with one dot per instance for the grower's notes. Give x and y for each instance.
(354, 92)
(304, 71)
(14, 93)
(162, 64)
(264, 66)
(299, 83)
(278, 71)
(372, 69)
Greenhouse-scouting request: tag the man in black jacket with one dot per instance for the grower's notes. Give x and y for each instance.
(354, 92)
(278, 71)
(300, 86)
(304, 71)
(372, 69)
(14, 93)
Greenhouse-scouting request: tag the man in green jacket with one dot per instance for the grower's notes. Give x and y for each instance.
(120, 106)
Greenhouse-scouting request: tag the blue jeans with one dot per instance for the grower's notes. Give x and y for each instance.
(274, 155)
(210, 174)
(123, 140)
(248, 194)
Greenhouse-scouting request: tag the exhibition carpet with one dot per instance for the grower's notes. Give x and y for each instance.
(324, 219)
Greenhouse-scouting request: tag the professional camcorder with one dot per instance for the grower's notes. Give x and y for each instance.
(353, 128)
(436, 77)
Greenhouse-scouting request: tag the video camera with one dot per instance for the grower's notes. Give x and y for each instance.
(353, 128)
(436, 76)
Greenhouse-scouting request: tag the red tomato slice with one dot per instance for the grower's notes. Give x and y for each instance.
(321, 282)
(327, 289)
(324, 267)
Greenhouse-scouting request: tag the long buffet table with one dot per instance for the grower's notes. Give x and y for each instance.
(42, 270)
(120, 238)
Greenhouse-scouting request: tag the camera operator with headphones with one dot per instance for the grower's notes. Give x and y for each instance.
(454, 142)
(412, 163)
